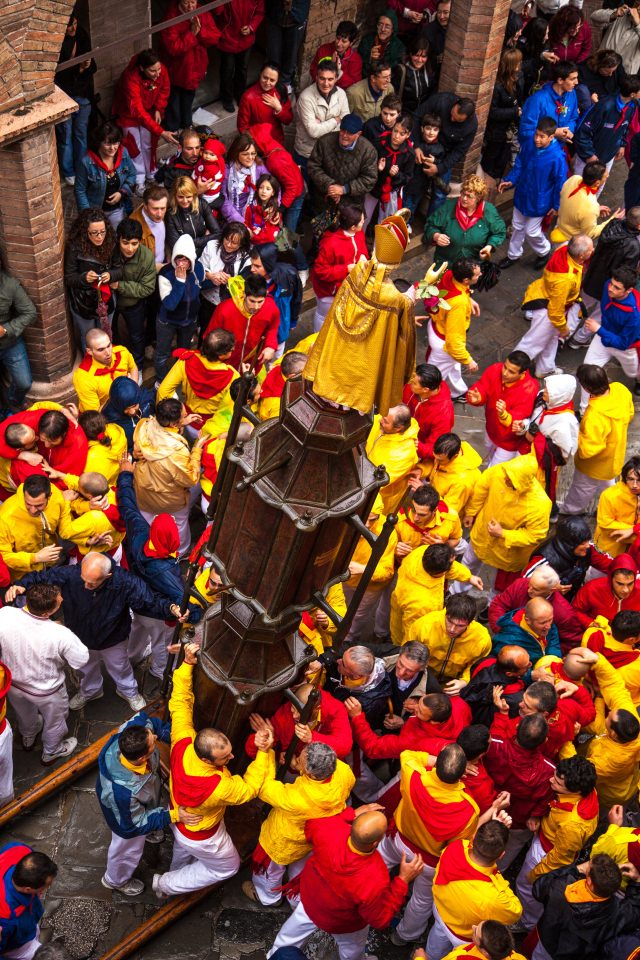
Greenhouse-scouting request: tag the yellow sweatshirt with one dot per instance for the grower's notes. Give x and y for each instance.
(616, 842)
(453, 324)
(473, 644)
(602, 440)
(417, 593)
(106, 460)
(560, 288)
(577, 214)
(22, 536)
(92, 382)
(88, 522)
(399, 454)
(616, 763)
(444, 524)
(206, 407)
(566, 828)
(321, 637)
(618, 509)
(386, 565)
(455, 481)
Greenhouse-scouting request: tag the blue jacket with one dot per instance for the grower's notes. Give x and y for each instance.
(180, 299)
(129, 801)
(91, 180)
(161, 574)
(20, 913)
(538, 175)
(125, 393)
(603, 129)
(510, 632)
(547, 103)
(101, 617)
(620, 320)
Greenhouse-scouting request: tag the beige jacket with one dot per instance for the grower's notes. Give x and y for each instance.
(166, 468)
(622, 35)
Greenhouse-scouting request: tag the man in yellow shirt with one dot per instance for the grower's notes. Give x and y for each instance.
(455, 640)
(454, 470)
(102, 363)
(393, 442)
(448, 327)
(201, 783)
(579, 205)
(427, 519)
(32, 522)
(618, 514)
(490, 941)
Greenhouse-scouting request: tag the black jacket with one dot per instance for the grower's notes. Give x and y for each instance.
(412, 86)
(404, 159)
(503, 111)
(558, 552)
(82, 295)
(478, 693)
(195, 224)
(456, 138)
(76, 82)
(596, 83)
(373, 701)
(356, 169)
(436, 35)
(618, 245)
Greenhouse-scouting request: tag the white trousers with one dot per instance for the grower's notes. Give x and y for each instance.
(540, 343)
(418, 909)
(116, 663)
(532, 909)
(123, 858)
(144, 163)
(600, 355)
(54, 710)
(529, 229)
(266, 883)
(579, 165)
(450, 369)
(441, 940)
(6, 764)
(497, 454)
(145, 632)
(27, 951)
(582, 335)
(474, 563)
(181, 518)
(582, 491)
(323, 305)
(197, 863)
(299, 927)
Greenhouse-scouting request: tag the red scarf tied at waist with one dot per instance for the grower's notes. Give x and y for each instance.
(164, 538)
(468, 220)
(206, 383)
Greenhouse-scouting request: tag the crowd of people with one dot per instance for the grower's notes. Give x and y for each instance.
(467, 778)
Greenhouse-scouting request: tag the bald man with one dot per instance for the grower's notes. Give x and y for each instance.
(101, 364)
(329, 723)
(506, 670)
(392, 442)
(345, 886)
(530, 627)
(542, 582)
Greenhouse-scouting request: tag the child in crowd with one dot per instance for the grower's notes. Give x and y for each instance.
(395, 169)
(343, 53)
(390, 110)
(429, 150)
(211, 166)
(262, 217)
(538, 175)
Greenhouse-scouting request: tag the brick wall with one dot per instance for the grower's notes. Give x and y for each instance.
(31, 33)
(105, 27)
(324, 17)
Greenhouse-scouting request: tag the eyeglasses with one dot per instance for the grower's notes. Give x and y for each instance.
(97, 233)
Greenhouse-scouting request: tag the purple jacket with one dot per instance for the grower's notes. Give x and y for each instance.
(235, 211)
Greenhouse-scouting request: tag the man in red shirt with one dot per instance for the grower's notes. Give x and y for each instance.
(561, 714)
(42, 436)
(508, 392)
(328, 724)
(429, 400)
(248, 316)
(343, 53)
(543, 582)
(606, 596)
(345, 886)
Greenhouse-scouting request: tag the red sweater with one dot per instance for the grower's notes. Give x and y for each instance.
(434, 415)
(578, 708)
(226, 316)
(351, 64)
(480, 786)
(414, 735)
(338, 250)
(69, 457)
(278, 162)
(519, 397)
(184, 52)
(525, 774)
(564, 616)
(252, 110)
(343, 891)
(232, 17)
(334, 728)
(597, 599)
(135, 99)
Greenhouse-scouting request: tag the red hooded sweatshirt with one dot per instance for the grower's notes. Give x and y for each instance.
(279, 163)
(68, 457)
(334, 728)
(525, 774)
(414, 735)
(252, 110)
(596, 598)
(519, 398)
(435, 416)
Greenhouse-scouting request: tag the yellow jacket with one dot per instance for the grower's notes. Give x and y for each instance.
(602, 441)
(618, 509)
(616, 763)
(472, 645)
(282, 834)
(466, 901)
(455, 481)
(177, 378)
(523, 513)
(615, 843)
(444, 524)
(577, 214)
(88, 522)
(399, 454)
(106, 460)
(559, 285)
(629, 673)
(22, 536)
(453, 324)
(417, 593)
(226, 790)
(321, 637)
(386, 565)
(92, 386)
(566, 830)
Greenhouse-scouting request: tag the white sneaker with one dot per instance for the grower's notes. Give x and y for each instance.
(130, 888)
(65, 749)
(78, 702)
(156, 836)
(28, 742)
(156, 889)
(304, 276)
(70, 180)
(136, 703)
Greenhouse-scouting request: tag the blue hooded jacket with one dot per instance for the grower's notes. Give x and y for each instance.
(538, 175)
(563, 108)
(180, 299)
(20, 913)
(126, 393)
(620, 320)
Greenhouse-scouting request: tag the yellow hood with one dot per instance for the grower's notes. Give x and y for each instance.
(522, 472)
(156, 442)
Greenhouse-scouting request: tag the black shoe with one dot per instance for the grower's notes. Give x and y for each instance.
(636, 389)
(461, 399)
(229, 106)
(541, 262)
(508, 262)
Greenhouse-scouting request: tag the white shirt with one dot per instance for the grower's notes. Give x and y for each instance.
(36, 650)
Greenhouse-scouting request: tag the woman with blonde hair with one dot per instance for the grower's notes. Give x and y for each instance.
(188, 213)
(504, 114)
(466, 226)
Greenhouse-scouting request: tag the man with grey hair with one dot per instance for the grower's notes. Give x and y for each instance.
(551, 303)
(541, 581)
(321, 790)
(410, 680)
(358, 673)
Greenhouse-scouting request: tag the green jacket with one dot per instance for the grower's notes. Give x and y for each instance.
(139, 277)
(394, 51)
(16, 310)
(491, 229)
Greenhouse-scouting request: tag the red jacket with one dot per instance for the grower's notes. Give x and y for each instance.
(334, 728)
(435, 416)
(351, 64)
(406, 26)
(519, 397)
(338, 250)
(185, 53)
(578, 708)
(226, 316)
(525, 774)
(278, 162)
(564, 616)
(69, 457)
(597, 599)
(480, 786)
(414, 735)
(343, 891)
(135, 99)
(253, 110)
(232, 17)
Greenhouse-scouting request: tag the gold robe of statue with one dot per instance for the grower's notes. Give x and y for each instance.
(366, 349)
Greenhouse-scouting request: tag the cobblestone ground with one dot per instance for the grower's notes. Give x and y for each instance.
(89, 918)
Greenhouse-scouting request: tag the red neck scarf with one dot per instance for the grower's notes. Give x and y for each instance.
(582, 186)
(559, 262)
(563, 408)
(103, 371)
(189, 790)
(468, 220)
(385, 141)
(455, 865)
(164, 538)
(206, 383)
(586, 809)
(617, 658)
(448, 289)
(99, 162)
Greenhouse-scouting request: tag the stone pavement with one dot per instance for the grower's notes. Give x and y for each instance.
(91, 919)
